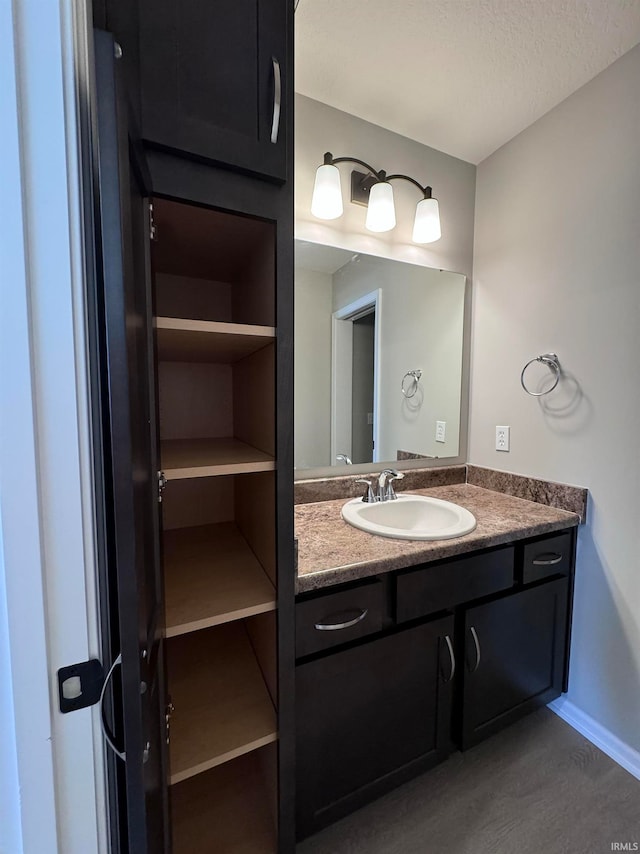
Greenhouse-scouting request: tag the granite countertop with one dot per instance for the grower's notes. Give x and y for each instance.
(331, 552)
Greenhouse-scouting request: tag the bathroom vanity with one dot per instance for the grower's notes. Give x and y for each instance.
(406, 651)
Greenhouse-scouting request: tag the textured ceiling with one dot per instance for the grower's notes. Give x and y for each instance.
(462, 76)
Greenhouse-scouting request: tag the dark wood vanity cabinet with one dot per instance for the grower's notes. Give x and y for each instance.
(454, 651)
(192, 340)
(371, 716)
(214, 81)
(514, 655)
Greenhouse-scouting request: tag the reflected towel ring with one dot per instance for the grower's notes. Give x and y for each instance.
(552, 362)
(415, 376)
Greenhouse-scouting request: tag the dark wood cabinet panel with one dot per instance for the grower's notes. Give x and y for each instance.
(340, 617)
(514, 650)
(545, 557)
(439, 586)
(370, 717)
(215, 80)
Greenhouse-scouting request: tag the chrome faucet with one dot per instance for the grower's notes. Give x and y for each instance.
(386, 491)
(343, 458)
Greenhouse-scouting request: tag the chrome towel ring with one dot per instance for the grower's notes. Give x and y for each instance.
(553, 363)
(411, 389)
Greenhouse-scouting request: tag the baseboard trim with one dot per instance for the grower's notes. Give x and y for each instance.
(603, 738)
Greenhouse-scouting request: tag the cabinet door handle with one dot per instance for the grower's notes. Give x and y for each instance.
(106, 731)
(547, 559)
(474, 635)
(277, 100)
(342, 624)
(452, 658)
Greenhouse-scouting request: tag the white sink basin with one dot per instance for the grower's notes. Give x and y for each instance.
(410, 517)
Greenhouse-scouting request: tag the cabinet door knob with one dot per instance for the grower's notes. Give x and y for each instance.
(342, 623)
(277, 100)
(548, 559)
(476, 642)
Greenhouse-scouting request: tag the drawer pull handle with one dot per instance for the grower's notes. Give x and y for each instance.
(548, 559)
(476, 642)
(452, 658)
(277, 100)
(343, 624)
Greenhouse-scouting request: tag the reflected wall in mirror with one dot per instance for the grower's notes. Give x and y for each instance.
(378, 359)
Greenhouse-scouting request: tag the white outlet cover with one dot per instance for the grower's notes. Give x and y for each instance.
(503, 438)
(441, 431)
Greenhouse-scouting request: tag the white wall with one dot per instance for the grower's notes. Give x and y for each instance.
(312, 354)
(51, 763)
(557, 267)
(421, 320)
(321, 128)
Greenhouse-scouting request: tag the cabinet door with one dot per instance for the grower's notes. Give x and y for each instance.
(370, 717)
(214, 77)
(126, 465)
(514, 658)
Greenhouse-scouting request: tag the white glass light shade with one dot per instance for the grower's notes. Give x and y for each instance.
(326, 202)
(381, 213)
(426, 226)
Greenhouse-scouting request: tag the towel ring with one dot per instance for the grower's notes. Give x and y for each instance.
(552, 362)
(415, 376)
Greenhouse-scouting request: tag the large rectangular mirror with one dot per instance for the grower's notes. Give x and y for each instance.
(378, 359)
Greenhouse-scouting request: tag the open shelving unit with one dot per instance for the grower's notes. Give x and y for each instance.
(212, 577)
(214, 279)
(206, 810)
(223, 707)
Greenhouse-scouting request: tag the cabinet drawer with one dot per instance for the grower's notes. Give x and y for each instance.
(339, 617)
(549, 556)
(435, 588)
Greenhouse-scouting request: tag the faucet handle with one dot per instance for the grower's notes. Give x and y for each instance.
(368, 496)
(387, 492)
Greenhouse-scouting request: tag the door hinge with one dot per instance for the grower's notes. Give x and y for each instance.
(153, 230)
(169, 710)
(162, 482)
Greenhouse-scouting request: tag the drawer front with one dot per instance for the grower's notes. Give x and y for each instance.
(339, 617)
(435, 588)
(550, 556)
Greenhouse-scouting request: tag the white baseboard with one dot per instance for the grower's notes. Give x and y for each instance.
(603, 738)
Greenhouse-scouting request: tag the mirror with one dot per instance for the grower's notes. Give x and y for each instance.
(378, 359)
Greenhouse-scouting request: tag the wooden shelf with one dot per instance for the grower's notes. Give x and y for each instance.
(210, 457)
(182, 340)
(224, 810)
(222, 706)
(211, 577)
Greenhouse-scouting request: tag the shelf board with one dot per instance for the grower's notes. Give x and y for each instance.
(211, 577)
(182, 340)
(183, 458)
(224, 810)
(222, 706)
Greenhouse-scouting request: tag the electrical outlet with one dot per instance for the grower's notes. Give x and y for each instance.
(502, 438)
(441, 431)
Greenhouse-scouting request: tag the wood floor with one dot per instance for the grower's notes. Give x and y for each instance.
(537, 788)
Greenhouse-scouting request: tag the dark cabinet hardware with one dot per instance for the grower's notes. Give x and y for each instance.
(476, 643)
(79, 685)
(335, 622)
(550, 559)
(277, 100)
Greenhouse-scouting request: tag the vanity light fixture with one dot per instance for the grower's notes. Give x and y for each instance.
(373, 189)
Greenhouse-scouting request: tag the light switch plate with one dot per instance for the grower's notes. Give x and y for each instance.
(502, 438)
(441, 431)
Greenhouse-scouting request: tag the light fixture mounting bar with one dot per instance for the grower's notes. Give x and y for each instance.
(361, 184)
